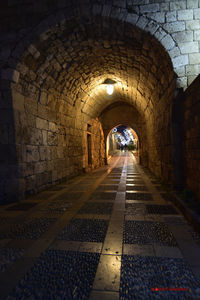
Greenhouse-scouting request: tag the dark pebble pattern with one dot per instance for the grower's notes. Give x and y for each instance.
(22, 206)
(140, 274)
(85, 230)
(56, 188)
(103, 195)
(135, 188)
(108, 187)
(161, 209)
(69, 196)
(58, 275)
(138, 188)
(147, 232)
(135, 209)
(32, 229)
(175, 220)
(8, 256)
(134, 181)
(57, 207)
(96, 208)
(139, 196)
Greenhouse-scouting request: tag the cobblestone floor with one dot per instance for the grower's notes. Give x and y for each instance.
(111, 234)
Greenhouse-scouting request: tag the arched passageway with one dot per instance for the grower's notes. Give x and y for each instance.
(71, 71)
(53, 80)
(61, 89)
(122, 138)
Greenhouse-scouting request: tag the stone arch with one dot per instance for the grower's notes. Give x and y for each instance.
(151, 97)
(134, 131)
(41, 31)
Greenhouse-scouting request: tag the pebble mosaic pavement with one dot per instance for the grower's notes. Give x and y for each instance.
(111, 234)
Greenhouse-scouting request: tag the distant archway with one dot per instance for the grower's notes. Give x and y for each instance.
(122, 138)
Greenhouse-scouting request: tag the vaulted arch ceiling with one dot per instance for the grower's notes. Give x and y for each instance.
(73, 59)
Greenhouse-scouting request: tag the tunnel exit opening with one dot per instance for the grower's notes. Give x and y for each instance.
(122, 138)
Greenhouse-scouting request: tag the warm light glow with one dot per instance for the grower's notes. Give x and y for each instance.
(110, 88)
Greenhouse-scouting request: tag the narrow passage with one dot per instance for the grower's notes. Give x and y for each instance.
(109, 234)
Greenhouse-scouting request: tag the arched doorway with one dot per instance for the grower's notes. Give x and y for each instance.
(122, 138)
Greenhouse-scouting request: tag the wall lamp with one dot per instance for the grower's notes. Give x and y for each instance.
(109, 85)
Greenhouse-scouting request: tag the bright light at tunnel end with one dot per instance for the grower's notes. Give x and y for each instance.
(109, 89)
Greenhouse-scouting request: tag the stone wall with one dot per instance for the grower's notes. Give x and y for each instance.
(191, 137)
(48, 139)
(54, 60)
(174, 23)
(97, 145)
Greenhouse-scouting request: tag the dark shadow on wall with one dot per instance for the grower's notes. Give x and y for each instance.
(177, 140)
(9, 167)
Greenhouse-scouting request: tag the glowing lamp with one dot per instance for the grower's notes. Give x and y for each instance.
(109, 89)
(109, 86)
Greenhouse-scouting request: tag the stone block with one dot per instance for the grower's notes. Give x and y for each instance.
(174, 52)
(43, 98)
(18, 101)
(32, 154)
(44, 137)
(189, 47)
(180, 71)
(171, 16)
(194, 58)
(191, 79)
(168, 42)
(132, 18)
(185, 14)
(120, 3)
(192, 70)
(31, 49)
(181, 82)
(175, 26)
(35, 136)
(52, 127)
(106, 10)
(40, 167)
(197, 14)
(159, 17)
(43, 153)
(151, 27)
(41, 124)
(52, 138)
(37, 55)
(193, 25)
(177, 5)
(30, 106)
(164, 7)
(180, 60)
(160, 33)
(43, 111)
(181, 37)
(197, 35)
(142, 22)
(30, 183)
(149, 8)
(10, 74)
(192, 3)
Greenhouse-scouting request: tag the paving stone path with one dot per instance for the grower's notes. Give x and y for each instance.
(110, 234)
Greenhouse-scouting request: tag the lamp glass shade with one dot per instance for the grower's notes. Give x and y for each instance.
(110, 89)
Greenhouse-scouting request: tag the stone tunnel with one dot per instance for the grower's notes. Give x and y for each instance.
(77, 220)
(53, 67)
